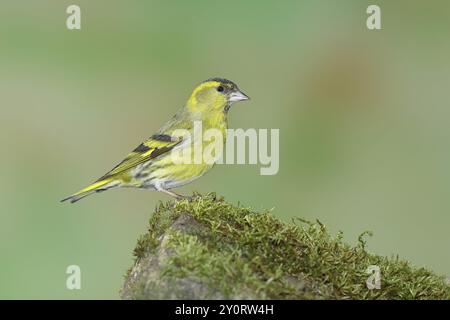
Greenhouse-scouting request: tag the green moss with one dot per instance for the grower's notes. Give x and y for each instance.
(253, 254)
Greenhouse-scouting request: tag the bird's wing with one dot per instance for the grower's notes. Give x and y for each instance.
(155, 146)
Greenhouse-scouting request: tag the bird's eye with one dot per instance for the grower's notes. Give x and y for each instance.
(220, 88)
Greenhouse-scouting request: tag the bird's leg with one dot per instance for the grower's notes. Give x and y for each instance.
(173, 194)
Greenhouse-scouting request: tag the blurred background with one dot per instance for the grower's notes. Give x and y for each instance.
(363, 118)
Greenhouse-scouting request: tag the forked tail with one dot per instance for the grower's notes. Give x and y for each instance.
(98, 186)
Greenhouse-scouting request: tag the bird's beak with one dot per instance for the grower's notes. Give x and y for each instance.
(237, 95)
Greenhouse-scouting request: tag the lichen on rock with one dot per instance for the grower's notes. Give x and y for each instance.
(210, 249)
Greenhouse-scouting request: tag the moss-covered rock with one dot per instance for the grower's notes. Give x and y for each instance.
(210, 249)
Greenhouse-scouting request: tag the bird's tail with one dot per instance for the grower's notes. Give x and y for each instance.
(97, 186)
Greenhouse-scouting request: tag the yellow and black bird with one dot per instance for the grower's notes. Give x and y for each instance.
(154, 164)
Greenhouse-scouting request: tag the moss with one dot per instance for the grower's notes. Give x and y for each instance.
(247, 254)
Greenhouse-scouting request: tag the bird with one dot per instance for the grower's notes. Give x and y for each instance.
(155, 163)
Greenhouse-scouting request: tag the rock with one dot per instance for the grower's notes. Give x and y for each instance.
(210, 249)
(145, 280)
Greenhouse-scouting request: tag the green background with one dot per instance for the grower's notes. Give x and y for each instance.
(363, 118)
